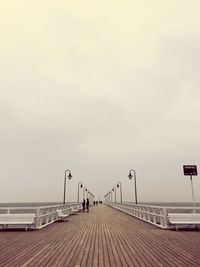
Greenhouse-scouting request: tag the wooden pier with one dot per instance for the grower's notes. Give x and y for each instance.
(102, 237)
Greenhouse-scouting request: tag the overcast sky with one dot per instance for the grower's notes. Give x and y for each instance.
(99, 87)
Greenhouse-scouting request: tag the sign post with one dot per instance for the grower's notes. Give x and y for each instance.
(190, 170)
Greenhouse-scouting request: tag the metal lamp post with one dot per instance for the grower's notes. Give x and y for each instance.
(92, 197)
(65, 177)
(106, 197)
(130, 176)
(119, 184)
(114, 189)
(110, 192)
(80, 185)
(84, 190)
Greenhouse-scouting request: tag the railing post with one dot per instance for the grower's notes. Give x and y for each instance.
(154, 216)
(165, 223)
(47, 216)
(37, 219)
(149, 216)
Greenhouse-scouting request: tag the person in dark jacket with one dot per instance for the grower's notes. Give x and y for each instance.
(87, 204)
(83, 205)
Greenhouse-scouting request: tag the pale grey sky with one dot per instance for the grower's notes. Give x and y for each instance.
(99, 87)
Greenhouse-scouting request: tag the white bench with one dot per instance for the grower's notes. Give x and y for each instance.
(17, 219)
(73, 209)
(62, 216)
(183, 219)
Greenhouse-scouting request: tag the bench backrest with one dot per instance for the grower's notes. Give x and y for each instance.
(61, 213)
(17, 218)
(74, 208)
(184, 218)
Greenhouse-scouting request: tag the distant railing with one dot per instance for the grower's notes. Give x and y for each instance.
(156, 215)
(44, 215)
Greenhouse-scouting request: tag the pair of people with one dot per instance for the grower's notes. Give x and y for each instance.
(87, 203)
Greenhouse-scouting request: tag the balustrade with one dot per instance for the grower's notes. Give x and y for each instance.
(156, 215)
(44, 215)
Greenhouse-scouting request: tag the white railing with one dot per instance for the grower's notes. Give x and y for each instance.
(44, 215)
(156, 215)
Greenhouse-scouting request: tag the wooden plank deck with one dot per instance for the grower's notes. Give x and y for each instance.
(102, 237)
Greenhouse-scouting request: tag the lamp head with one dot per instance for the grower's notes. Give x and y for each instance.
(69, 175)
(130, 176)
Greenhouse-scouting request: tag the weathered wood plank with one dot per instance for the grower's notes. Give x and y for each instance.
(102, 237)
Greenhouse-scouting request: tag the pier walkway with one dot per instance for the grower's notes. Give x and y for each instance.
(102, 237)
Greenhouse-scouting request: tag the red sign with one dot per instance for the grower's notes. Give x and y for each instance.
(190, 170)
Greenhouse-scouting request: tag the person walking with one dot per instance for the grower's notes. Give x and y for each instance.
(87, 204)
(83, 205)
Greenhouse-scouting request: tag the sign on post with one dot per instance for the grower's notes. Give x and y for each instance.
(190, 170)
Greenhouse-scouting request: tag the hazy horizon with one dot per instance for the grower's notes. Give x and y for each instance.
(99, 88)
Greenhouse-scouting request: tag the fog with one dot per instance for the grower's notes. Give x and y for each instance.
(99, 88)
